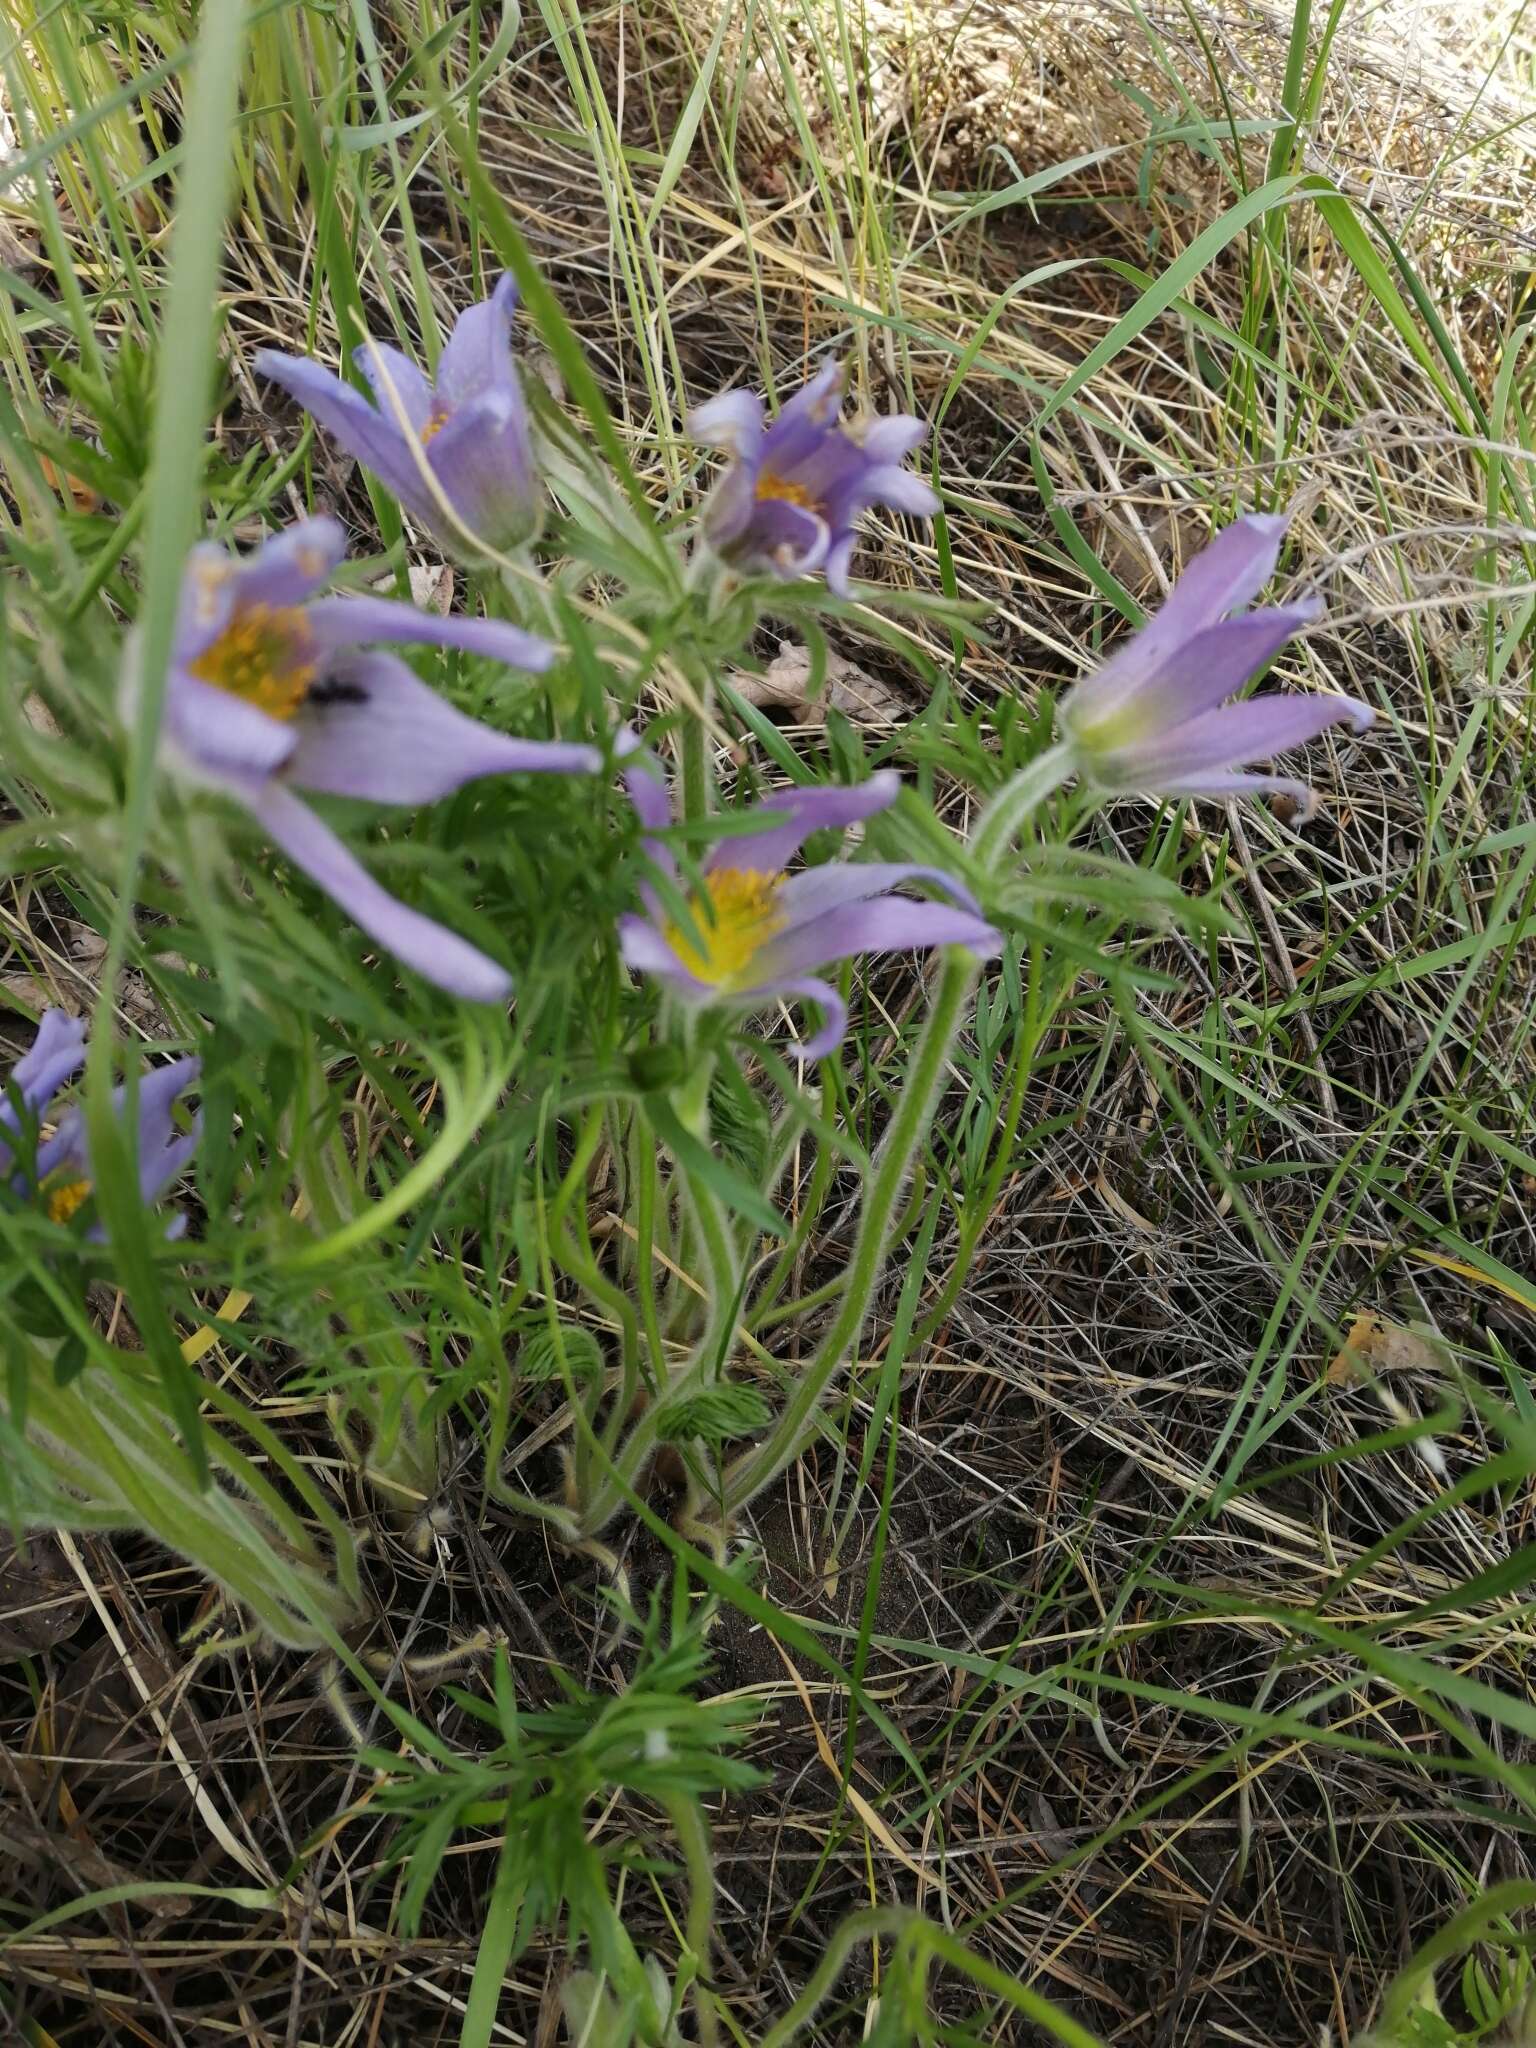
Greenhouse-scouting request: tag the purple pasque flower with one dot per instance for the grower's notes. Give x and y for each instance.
(272, 688)
(789, 502)
(60, 1177)
(1155, 718)
(458, 452)
(754, 934)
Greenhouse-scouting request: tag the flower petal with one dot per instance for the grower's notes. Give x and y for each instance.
(810, 988)
(901, 491)
(366, 434)
(1301, 794)
(785, 539)
(817, 890)
(890, 924)
(375, 730)
(339, 623)
(1228, 573)
(401, 394)
(211, 733)
(1199, 674)
(642, 948)
(57, 1052)
(435, 952)
(67, 1147)
(839, 563)
(483, 461)
(733, 421)
(891, 437)
(806, 422)
(1226, 738)
(290, 566)
(478, 355)
(163, 1149)
(790, 816)
(729, 507)
(645, 784)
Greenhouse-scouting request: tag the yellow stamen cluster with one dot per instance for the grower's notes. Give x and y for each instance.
(65, 1200)
(265, 655)
(436, 420)
(782, 488)
(735, 917)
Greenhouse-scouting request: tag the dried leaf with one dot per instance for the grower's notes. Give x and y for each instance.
(1373, 1347)
(432, 587)
(41, 1601)
(786, 683)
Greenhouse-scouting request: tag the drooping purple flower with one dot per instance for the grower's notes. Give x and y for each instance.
(1155, 718)
(458, 452)
(273, 688)
(60, 1176)
(755, 934)
(789, 502)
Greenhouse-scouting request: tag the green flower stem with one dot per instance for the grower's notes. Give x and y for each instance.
(1011, 809)
(645, 1184)
(724, 1297)
(982, 1208)
(401, 1455)
(693, 1839)
(748, 1474)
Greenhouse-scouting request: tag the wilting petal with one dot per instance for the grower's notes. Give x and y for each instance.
(400, 392)
(340, 623)
(57, 1052)
(365, 432)
(818, 890)
(216, 733)
(478, 355)
(890, 924)
(733, 421)
(810, 988)
(290, 566)
(790, 816)
(1200, 673)
(483, 461)
(435, 952)
(1228, 737)
(377, 731)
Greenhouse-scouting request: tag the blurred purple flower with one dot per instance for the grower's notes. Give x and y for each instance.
(272, 687)
(757, 933)
(61, 1177)
(1155, 720)
(789, 502)
(463, 442)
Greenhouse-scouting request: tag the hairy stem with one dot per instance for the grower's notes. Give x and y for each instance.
(748, 1474)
